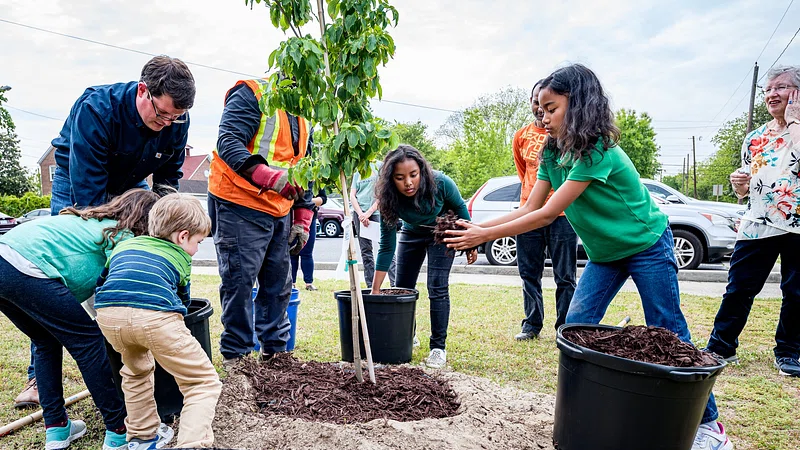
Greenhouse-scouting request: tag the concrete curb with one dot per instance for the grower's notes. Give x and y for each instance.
(708, 276)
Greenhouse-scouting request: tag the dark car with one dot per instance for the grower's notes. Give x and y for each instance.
(6, 222)
(329, 218)
(35, 214)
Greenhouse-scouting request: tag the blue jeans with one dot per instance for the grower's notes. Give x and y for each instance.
(751, 263)
(411, 251)
(246, 253)
(655, 273)
(305, 259)
(562, 242)
(47, 312)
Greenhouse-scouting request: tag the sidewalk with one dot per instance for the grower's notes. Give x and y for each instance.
(694, 282)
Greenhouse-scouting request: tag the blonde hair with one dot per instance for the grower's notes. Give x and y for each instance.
(178, 212)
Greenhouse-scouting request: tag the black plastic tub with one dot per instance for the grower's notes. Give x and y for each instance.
(607, 402)
(168, 397)
(390, 322)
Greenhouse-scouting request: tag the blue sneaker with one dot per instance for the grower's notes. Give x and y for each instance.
(115, 441)
(57, 438)
(164, 434)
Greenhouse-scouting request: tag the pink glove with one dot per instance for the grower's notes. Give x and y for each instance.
(298, 234)
(276, 180)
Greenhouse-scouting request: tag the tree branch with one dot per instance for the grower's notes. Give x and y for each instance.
(296, 31)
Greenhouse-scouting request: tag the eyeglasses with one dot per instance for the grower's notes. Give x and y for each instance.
(777, 89)
(176, 118)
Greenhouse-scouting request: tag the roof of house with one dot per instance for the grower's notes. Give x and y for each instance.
(47, 152)
(191, 164)
(193, 186)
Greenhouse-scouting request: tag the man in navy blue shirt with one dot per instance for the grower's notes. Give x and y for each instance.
(119, 134)
(116, 136)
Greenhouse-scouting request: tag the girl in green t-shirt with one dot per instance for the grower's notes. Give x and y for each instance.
(47, 268)
(623, 231)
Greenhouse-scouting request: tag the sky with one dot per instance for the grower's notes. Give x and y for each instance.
(688, 64)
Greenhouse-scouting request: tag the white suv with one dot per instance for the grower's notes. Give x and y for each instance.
(702, 233)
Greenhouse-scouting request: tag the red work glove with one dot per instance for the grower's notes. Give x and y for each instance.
(298, 234)
(276, 180)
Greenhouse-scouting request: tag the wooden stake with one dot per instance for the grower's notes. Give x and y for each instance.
(37, 416)
(356, 298)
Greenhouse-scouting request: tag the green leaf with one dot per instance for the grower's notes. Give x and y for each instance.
(384, 133)
(372, 43)
(351, 83)
(333, 8)
(352, 138)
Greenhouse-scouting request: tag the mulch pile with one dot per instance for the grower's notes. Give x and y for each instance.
(654, 345)
(327, 392)
(444, 223)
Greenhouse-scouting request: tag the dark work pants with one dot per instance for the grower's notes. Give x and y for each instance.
(246, 253)
(47, 312)
(561, 240)
(411, 251)
(751, 263)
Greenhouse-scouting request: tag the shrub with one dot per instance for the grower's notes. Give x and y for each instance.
(17, 206)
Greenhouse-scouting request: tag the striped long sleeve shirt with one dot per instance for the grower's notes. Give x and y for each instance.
(147, 273)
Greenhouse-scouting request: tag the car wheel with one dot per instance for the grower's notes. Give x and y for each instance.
(502, 252)
(688, 249)
(331, 228)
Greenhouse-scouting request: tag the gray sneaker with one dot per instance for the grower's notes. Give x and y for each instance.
(437, 359)
(164, 434)
(526, 335)
(788, 367)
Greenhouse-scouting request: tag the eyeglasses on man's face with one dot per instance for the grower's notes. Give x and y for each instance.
(173, 118)
(777, 89)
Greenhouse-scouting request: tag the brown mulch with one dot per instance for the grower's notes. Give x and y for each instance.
(327, 392)
(397, 291)
(654, 345)
(444, 223)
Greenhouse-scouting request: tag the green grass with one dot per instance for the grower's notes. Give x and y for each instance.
(757, 406)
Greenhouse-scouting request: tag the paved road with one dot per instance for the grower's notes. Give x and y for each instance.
(328, 250)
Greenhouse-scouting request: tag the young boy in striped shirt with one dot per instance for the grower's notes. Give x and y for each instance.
(140, 301)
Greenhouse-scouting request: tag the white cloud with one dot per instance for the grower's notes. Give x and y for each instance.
(677, 61)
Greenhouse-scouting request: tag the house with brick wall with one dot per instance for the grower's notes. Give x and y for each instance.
(194, 181)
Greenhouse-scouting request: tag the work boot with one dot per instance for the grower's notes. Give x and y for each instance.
(29, 397)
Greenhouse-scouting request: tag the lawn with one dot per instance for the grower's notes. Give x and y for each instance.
(757, 406)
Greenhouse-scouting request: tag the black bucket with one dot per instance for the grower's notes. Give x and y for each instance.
(608, 402)
(390, 322)
(168, 396)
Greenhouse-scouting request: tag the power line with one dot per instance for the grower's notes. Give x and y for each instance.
(759, 56)
(779, 56)
(32, 113)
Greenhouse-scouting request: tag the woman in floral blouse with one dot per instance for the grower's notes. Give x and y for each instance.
(771, 226)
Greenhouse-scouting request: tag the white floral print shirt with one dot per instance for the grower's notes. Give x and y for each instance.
(771, 158)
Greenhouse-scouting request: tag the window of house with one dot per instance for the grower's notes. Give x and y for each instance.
(52, 170)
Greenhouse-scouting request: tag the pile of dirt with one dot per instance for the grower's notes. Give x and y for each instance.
(653, 345)
(489, 416)
(327, 393)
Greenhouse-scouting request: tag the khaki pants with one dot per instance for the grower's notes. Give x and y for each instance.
(142, 335)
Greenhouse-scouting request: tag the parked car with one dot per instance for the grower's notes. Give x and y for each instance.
(330, 217)
(7, 222)
(671, 195)
(35, 214)
(701, 233)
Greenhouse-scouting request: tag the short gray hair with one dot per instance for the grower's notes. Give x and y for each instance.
(793, 71)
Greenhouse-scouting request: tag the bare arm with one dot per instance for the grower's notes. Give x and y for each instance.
(354, 202)
(534, 202)
(475, 235)
(377, 281)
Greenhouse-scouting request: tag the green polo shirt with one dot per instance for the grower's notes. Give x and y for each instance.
(615, 217)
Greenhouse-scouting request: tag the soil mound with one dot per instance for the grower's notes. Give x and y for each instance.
(489, 416)
(654, 345)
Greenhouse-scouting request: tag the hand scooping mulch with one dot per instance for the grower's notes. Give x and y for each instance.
(326, 392)
(654, 345)
(444, 223)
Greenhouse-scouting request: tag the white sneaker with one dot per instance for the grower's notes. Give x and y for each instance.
(437, 359)
(711, 436)
(164, 434)
(415, 342)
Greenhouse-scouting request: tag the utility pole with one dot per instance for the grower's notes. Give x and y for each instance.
(683, 175)
(694, 167)
(752, 99)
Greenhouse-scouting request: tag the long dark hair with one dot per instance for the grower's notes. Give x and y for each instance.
(130, 210)
(588, 118)
(387, 194)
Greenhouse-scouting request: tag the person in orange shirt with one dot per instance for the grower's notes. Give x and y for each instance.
(558, 238)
